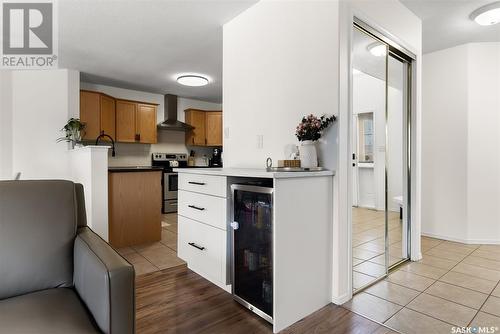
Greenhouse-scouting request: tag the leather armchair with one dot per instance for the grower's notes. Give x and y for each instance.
(56, 274)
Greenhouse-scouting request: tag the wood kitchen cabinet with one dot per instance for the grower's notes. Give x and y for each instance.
(135, 200)
(125, 120)
(135, 122)
(207, 127)
(146, 123)
(97, 111)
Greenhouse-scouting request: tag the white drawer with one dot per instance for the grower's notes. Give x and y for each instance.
(203, 247)
(207, 209)
(205, 184)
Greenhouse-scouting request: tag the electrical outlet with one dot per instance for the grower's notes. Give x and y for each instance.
(226, 132)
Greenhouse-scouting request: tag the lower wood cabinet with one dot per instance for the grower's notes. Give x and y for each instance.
(134, 207)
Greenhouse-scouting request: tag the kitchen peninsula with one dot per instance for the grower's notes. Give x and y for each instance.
(134, 205)
(263, 236)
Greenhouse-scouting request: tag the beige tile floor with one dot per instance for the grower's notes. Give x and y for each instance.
(368, 230)
(453, 285)
(156, 256)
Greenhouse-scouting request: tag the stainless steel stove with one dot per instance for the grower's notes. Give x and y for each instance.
(169, 161)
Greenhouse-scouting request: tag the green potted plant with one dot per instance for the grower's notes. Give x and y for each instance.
(74, 131)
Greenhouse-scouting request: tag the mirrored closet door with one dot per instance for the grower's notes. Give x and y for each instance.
(380, 158)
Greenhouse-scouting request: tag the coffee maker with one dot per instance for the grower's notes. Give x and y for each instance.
(216, 160)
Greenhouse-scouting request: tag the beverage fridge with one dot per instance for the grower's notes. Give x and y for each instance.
(252, 248)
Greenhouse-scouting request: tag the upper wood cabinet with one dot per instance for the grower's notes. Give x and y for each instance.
(207, 127)
(146, 123)
(195, 118)
(125, 120)
(97, 111)
(135, 122)
(213, 128)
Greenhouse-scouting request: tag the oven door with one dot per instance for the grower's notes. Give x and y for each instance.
(170, 185)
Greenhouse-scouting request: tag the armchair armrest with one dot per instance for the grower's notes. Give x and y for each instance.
(105, 282)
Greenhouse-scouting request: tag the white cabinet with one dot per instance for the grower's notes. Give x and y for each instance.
(205, 184)
(207, 209)
(203, 247)
(202, 235)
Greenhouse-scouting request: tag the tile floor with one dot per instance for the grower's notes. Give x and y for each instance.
(368, 243)
(453, 285)
(158, 255)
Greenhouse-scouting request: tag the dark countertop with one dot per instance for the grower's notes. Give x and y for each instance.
(134, 169)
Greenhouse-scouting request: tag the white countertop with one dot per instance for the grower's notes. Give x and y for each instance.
(252, 172)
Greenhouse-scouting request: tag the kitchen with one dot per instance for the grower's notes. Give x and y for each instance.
(148, 141)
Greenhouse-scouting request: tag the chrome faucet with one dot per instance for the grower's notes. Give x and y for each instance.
(102, 135)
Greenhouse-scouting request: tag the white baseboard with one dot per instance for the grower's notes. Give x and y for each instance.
(341, 299)
(463, 241)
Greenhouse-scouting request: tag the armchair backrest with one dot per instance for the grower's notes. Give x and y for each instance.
(38, 223)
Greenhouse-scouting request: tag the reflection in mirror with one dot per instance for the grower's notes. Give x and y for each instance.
(368, 143)
(380, 228)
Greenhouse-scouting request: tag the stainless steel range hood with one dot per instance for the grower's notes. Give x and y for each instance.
(171, 122)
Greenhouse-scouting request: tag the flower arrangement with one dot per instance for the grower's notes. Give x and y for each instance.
(311, 127)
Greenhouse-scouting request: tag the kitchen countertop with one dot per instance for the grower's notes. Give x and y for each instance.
(252, 172)
(127, 169)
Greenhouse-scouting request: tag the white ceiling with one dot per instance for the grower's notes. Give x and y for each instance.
(144, 44)
(446, 23)
(364, 61)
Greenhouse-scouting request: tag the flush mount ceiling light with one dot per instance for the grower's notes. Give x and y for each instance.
(487, 15)
(192, 80)
(377, 49)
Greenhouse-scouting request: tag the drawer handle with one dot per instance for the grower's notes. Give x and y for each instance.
(196, 207)
(197, 183)
(196, 246)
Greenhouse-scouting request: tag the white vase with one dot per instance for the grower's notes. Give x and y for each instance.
(308, 155)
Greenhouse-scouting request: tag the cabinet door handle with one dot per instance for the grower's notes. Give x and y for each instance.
(197, 183)
(196, 207)
(196, 246)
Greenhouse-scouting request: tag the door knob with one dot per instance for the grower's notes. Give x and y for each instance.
(235, 225)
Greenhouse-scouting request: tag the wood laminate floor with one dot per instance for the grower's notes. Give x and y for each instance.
(177, 300)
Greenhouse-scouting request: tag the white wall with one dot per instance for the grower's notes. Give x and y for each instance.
(280, 63)
(168, 141)
(41, 102)
(461, 147)
(5, 125)
(286, 59)
(483, 149)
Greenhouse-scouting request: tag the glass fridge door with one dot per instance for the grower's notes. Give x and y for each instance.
(253, 248)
